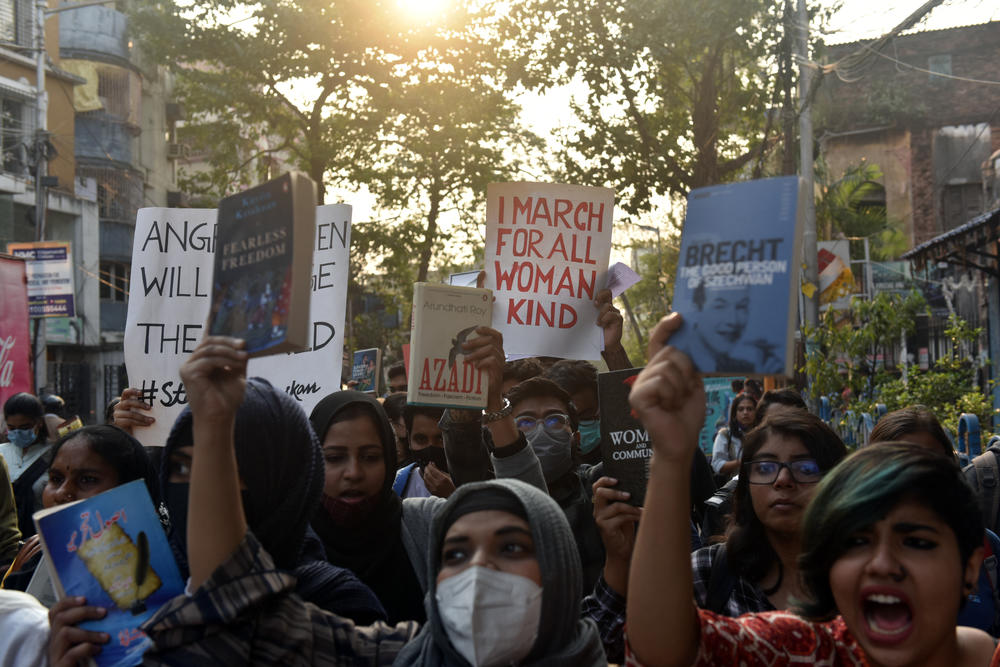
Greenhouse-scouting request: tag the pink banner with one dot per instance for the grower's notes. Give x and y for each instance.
(15, 345)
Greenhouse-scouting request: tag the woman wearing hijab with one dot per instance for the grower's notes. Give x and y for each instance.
(505, 574)
(241, 609)
(281, 476)
(362, 522)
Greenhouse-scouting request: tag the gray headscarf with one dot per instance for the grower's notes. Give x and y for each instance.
(563, 637)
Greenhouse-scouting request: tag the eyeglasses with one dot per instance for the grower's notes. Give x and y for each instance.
(551, 422)
(803, 471)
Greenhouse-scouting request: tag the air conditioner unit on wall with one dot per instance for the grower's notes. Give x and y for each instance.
(177, 151)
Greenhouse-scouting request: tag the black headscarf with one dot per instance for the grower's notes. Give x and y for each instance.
(281, 468)
(279, 462)
(373, 549)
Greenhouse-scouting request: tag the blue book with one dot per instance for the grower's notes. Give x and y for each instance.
(738, 277)
(366, 369)
(112, 550)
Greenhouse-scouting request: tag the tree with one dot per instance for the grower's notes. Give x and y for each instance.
(677, 91)
(306, 79)
(453, 130)
(843, 353)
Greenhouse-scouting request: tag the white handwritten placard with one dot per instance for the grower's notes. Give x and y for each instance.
(170, 296)
(547, 251)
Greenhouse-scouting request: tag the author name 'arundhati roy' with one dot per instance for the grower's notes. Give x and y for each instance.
(254, 249)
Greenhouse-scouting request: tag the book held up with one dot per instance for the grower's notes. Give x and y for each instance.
(366, 369)
(444, 317)
(738, 276)
(263, 265)
(111, 549)
(625, 447)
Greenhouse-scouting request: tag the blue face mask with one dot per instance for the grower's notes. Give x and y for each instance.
(22, 437)
(590, 434)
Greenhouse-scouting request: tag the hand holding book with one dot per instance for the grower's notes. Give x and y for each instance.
(215, 378)
(68, 643)
(668, 396)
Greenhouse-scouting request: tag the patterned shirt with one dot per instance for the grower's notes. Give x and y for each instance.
(745, 597)
(248, 613)
(772, 639)
(607, 609)
(776, 639)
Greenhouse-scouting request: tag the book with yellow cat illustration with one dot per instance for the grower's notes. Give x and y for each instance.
(111, 549)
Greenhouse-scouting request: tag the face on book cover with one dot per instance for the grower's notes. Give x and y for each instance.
(723, 317)
(77, 472)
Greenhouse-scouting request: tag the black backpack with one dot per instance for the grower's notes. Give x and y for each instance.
(983, 475)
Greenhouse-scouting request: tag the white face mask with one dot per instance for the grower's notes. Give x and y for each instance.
(491, 617)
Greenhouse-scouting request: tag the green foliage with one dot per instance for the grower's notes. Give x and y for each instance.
(650, 298)
(839, 355)
(679, 93)
(853, 206)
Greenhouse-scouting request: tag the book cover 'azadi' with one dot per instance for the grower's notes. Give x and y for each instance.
(625, 447)
(263, 265)
(111, 549)
(738, 277)
(444, 317)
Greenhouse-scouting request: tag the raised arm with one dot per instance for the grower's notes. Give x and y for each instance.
(215, 379)
(468, 458)
(669, 398)
(610, 320)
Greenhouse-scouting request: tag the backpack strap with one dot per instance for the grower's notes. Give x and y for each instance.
(987, 476)
(721, 582)
(990, 564)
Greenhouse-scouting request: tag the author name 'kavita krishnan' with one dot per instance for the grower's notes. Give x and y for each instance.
(254, 249)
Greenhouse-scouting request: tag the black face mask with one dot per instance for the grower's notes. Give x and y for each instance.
(177, 504)
(430, 454)
(176, 498)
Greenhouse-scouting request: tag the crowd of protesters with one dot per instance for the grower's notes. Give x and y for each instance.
(375, 532)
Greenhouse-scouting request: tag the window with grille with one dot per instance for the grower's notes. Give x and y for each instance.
(114, 281)
(14, 135)
(16, 23)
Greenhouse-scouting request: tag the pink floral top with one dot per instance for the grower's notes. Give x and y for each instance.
(775, 638)
(771, 639)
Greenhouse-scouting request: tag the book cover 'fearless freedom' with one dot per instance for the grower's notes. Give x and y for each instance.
(263, 265)
(444, 317)
(738, 276)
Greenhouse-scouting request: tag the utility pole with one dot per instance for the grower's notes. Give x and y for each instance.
(41, 140)
(806, 159)
(41, 151)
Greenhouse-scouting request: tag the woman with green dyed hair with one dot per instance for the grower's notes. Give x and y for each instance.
(892, 543)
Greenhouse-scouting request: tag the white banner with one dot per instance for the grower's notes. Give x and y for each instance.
(547, 251)
(170, 296)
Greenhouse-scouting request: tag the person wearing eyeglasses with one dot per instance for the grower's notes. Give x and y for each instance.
(545, 414)
(756, 568)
